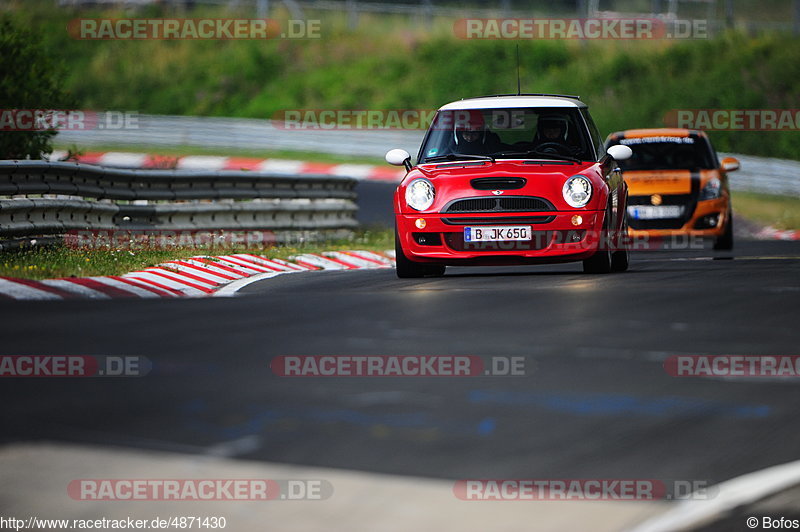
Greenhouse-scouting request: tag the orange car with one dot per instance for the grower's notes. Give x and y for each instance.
(676, 185)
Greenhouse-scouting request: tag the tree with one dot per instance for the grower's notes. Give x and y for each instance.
(30, 79)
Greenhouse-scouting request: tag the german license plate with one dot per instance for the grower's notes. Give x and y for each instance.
(494, 233)
(652, 212)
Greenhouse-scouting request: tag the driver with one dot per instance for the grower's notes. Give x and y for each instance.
(551, 136)
(471, 136)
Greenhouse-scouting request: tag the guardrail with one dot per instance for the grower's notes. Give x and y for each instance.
(45, 199)
(765, 175)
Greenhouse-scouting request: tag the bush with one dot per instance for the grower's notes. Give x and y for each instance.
(31, 80)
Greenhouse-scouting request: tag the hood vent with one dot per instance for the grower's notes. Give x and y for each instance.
(498, 183)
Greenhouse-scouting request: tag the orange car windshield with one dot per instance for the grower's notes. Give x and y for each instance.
(668, 153)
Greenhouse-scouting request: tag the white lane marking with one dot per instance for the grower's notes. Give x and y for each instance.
(745, 489)
(230, 289)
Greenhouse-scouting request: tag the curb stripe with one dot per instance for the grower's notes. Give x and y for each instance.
(162, 292)
(207, 263)
(179, 279)
(36, 285)
(251, 267)
(196, 276)
(157, 284)
(17, 290)
(108, 290)
(358, 171)
(76, 289)
(133, 290)
(180, 274)
(197, 272)
(348, 265)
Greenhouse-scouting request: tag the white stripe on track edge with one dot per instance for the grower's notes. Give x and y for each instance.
(733, 493)
(231, 288)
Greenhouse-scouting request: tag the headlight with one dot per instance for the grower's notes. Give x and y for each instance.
(712, 189)
(577, 191)
(420, 194)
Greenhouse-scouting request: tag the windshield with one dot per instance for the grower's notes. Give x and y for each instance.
(668, 153)
(509, 133)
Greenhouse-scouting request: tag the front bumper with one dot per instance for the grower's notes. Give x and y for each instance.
(555, 238)
(697, 225)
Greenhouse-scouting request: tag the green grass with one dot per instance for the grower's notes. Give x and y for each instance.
(181, 151)
(781, 212)
(62, 261)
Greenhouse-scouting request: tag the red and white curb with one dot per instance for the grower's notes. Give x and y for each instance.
(208, 162)
(770, 233)
(198, 276)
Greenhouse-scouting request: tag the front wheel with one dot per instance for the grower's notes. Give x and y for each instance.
(621, 259)
(724, 242)
(601, 261)
(408, 269)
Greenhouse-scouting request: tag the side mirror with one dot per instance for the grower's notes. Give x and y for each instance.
(619, 152)
(729, 164)
(399, 157)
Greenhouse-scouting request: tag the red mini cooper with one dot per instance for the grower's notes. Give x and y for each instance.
(521, 179)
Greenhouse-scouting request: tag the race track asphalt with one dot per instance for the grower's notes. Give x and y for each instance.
(595, 402)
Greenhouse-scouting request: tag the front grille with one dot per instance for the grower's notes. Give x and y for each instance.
(666, 199)
(540, 240)
(505, 204)
(686, 200)
(468, 220)
(662, 223)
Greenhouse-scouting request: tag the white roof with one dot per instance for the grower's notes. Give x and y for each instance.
(504, 102)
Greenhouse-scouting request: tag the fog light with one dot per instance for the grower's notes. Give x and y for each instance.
(577, 219)
(420, 223)
(708, 221)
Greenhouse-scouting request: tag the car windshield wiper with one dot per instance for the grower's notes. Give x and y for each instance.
(546, 155)
(457, 156)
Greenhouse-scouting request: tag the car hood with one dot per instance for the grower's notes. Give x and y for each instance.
(643, 182)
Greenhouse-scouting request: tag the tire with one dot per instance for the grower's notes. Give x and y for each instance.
(724, 242)
(600, 262)
(621, 259)
(408, 269)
